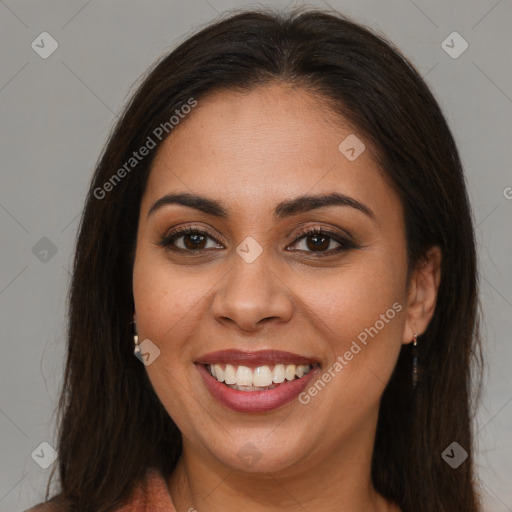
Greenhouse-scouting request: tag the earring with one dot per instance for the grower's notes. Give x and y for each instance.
(415, 361)
(136, 350)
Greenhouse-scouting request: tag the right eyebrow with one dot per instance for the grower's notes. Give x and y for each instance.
(208, 206)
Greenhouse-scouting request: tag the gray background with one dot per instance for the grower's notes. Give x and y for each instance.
(57, 112)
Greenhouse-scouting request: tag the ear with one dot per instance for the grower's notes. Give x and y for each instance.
(422, 294)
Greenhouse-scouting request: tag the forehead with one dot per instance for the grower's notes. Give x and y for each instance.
(255, 148)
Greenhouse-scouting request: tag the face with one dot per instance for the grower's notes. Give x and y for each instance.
(261, 282)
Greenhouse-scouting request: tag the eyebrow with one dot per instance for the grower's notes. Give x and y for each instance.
(283, 210)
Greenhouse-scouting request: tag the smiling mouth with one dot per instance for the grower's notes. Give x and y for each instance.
(258, 378)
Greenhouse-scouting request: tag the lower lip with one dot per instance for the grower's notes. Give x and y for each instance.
(255, 401)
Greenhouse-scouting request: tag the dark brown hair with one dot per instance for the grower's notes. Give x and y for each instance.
(112, 426)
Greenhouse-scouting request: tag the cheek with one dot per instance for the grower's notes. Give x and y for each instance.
(359, 311)
(354, 297)
(167, 304)
(167, 299)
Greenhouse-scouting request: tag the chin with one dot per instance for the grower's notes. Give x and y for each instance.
(269, 452)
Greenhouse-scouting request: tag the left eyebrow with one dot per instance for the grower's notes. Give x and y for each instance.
(303, 204)
(283, 210)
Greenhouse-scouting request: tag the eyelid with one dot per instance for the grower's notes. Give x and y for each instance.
(317, 229)
(183, 230)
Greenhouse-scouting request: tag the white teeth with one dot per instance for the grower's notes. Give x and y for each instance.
(290, 372)
(278, 374)
(251, 379)
(302, 369)
(243, 376)
(262, 377)
(229, 375)
(219, 372)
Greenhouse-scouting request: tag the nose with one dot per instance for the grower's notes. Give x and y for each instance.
(252, 295)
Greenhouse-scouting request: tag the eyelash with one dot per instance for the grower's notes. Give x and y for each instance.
(345, 243)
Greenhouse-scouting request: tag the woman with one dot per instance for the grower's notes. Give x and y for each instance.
(279, 230)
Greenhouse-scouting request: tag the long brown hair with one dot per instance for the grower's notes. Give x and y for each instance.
(112, 426)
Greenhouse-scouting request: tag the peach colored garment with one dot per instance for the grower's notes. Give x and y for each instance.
(151, 495)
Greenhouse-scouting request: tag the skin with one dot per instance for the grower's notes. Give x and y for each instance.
(251, 151)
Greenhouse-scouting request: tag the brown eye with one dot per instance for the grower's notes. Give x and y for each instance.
(316, 241)
(322, 242)
(194, 241)
(189, 240)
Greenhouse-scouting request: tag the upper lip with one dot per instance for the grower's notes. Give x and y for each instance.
(259, 358)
